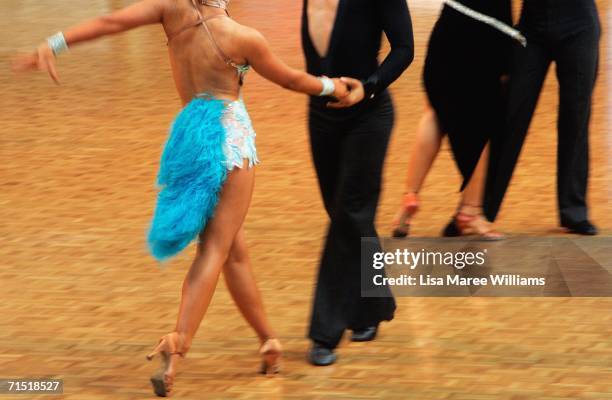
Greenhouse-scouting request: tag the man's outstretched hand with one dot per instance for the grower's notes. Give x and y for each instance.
(355, 95)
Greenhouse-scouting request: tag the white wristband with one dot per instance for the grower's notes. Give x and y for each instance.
(328, 86)
(57, 43)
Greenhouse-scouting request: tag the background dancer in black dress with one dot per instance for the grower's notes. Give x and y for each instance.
(468, 55)
(343, 38)
(566, 32)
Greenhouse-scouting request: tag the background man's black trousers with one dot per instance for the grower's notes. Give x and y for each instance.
(572, 42)
(348, 155)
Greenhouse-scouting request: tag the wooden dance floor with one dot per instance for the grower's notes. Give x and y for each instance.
(83, 301)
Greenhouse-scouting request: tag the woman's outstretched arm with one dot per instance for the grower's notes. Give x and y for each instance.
(144, 12)
(268, 65)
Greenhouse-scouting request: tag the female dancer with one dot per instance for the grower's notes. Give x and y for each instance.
(469, 53)
(207, 164)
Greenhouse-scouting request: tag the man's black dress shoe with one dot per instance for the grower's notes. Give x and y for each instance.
(582, 228)
(451, 229)
(364, 335)
(320, 355)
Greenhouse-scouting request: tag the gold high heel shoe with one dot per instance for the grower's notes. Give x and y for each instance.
(168, 345)
(270, 353)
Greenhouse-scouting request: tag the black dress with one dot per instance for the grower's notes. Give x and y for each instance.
(465, 61)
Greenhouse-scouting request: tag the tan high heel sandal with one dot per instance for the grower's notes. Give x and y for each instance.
(163, 379)
(410, 206)
(270, 353)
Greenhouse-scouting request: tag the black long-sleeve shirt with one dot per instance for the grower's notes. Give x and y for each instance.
(355, 43)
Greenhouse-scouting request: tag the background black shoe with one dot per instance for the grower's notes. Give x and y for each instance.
(364, 335)
(320, 355)
(451, 229)
(401, 232)
(582, 228)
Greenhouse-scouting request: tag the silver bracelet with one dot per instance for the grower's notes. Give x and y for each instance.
(57, 43)
(328, 86)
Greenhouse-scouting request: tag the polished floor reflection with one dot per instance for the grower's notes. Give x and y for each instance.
(83, 301)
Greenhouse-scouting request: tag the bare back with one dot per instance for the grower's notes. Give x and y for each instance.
(197, 65)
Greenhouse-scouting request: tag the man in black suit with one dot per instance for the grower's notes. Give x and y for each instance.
(566, 32)
(349, 141)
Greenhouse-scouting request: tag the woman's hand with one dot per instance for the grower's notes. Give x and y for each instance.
(341, 89)
(42, 60)
(354, 96)
(140, 13)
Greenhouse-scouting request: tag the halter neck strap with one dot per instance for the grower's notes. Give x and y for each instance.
(199, 21)
(202, 21)
(215, 3)
(240, 69)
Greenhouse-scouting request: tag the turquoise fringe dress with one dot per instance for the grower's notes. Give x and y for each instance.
(208, 138)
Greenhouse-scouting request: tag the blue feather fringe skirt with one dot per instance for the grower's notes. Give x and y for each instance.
(208, 138)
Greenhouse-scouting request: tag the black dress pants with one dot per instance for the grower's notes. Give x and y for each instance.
(566, 32)
(348, 155)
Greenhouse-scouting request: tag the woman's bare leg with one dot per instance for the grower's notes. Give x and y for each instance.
(470, 218)
(424, 151)
(240, 281)
(213, 250)
(201, 280)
